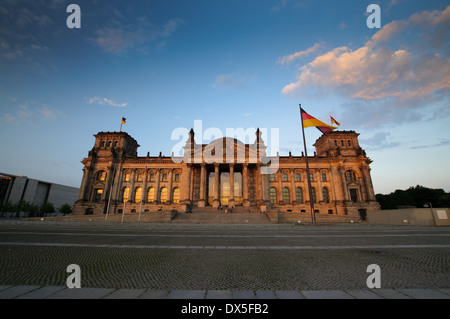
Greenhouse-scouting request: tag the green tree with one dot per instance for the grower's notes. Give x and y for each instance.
(30, 208)
(46, 209)
(65, 209)
(416, 196)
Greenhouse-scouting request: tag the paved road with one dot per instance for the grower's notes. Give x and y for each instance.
(229, 261)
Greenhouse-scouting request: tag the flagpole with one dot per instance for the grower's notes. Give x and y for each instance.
(313, 215)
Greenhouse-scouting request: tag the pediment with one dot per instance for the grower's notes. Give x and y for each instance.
(225, 150)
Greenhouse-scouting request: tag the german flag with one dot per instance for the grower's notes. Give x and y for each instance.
(124, 120)
(333, 121)
(311, 121)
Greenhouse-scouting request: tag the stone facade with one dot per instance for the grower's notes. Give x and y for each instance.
(226, 172)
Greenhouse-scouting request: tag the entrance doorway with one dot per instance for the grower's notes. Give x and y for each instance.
(224, 188)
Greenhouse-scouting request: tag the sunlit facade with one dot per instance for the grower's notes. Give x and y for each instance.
(226, 172)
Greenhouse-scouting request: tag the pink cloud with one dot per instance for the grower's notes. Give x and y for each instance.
(380, 69)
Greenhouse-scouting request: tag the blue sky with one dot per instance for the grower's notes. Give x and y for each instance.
(231, 64)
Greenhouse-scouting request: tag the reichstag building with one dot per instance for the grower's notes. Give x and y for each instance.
(227, 173)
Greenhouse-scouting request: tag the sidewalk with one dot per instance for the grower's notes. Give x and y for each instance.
(61, 292)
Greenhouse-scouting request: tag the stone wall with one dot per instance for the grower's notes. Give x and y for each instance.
(411, 216)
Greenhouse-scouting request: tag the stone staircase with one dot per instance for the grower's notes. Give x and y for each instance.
(153, 217)
(210, 215)
(207, 215)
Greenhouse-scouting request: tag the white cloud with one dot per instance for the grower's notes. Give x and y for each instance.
(47, 112)
(116, 40)
(8, 117)
(300, 54)
(105, 101)
(404, 64)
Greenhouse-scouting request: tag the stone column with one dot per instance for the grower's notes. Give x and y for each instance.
(144, 196)
(105, 195)
(186, 184)
(319, 194)
(216, 201)
(132, 191)
(81, 194)
(246, 202)
(202, 202)
(343, 183)
(280, 187)
(116, 187)
(231, 202)
(257, 184)
(88, 183)
(191, 183)
(157, 192)
(306, 194)
(368, 183)
(293, 198)
(170, 186)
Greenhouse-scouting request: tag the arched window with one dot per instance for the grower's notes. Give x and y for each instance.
(163, 197)
(313, 195)
(350, 176)
(325, 196)
(126, 194)
(286, 198)
(273, 195)
(126, 177)
(176, 195)
(101, 176)
(138, 195)
(299, 195)
(151, 195)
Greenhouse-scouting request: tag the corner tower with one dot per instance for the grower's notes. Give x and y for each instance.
(110, 149)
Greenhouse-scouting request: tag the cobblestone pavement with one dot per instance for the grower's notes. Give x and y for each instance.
(222, 261)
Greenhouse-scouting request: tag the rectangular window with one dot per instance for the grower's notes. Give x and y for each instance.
(272, 177)
(164, 177)
(177, 177)
(98, 195)
(151, 177)
(298, 177)
(311, 177)
(139, 177)
(285, 177)
(324, 177)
